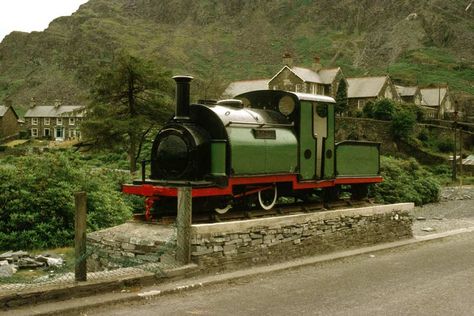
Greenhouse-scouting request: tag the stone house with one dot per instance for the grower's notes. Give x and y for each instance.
(364, 89)
(411, 95)
(56, 122)
(314, 80)
(9, 125)
(439, 103)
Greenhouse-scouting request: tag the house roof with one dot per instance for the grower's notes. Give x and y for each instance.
(364, 87)
(328, 75)
(55, 111)
(239, 87)
(324, 76)
(406, 91)
(433, 96)
(4, 109)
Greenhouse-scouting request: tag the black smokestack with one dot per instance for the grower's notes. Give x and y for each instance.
(182, 97)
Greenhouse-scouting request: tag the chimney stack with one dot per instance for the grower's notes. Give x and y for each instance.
(57, 103)
(32, 102)
(288, 60)
(182, 97)
(8, 103)
(317, 64)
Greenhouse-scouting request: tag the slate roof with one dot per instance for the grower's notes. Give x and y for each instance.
(328, 75)
(433, 96)
(324, 76)
(4, 109)
(406, 91)
(238, 87)
(365, 87)
(53, 111)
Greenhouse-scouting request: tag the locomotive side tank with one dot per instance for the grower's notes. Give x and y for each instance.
(251, 150)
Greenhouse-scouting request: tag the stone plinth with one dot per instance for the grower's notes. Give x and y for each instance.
(130, 244)
(266, 240)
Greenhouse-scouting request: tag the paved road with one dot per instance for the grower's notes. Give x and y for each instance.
(435, 278)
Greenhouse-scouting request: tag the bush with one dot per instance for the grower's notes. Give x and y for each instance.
(405, 181)
(445, 146)
(403, 122)
(368, 109)
(423, 136)
(37, 194)
(384, 110)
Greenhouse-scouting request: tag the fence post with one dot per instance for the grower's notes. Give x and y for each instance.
(80, 236)
(183, 220)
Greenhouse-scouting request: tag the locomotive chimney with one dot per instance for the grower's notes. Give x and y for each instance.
(182, 97)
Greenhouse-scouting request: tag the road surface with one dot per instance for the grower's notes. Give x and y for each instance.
(435, 278)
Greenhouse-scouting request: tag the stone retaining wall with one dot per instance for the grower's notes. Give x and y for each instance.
(236, 244)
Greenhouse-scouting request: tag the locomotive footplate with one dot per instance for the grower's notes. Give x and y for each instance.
(176, 183)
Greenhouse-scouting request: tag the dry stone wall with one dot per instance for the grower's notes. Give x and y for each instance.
(236, 244)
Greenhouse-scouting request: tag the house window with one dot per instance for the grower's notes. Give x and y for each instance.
(47, 121)
(298, 87)
(59, 121)
(47, 132)
(34, 132)
(34, 121)
(72, 121)
(78, 134)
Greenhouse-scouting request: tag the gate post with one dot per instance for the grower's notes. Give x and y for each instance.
(183, 221)
(80, 236)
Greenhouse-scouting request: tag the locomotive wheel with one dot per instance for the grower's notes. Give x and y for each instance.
(359, 191)
(268, 198)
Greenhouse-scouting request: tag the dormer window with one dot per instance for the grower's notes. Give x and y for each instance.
(59, 121)
(72, 121)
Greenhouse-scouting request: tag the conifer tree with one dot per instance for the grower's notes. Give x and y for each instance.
(129, 98)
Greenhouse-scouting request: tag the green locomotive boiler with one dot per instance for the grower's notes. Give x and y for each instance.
(252, 149)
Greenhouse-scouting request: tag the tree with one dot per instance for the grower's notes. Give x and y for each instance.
(341, 97)
(403, 123)
(129, 98)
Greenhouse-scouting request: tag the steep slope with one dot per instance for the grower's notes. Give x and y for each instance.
(219, 41)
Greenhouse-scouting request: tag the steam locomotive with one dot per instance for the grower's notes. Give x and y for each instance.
(250, 151)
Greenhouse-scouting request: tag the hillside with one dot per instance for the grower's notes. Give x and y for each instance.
(220, 41)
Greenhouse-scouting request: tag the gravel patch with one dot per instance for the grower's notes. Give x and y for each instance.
(455, 211)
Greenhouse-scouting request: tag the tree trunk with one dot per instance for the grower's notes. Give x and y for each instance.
(132, 151)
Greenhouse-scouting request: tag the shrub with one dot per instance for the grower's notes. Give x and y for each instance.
(368, 109)
(384, 110)
(403, 123)
(445, 146)
(36, 199)
(405, 181)
(423, 136)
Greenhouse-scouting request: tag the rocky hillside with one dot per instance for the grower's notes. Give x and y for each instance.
(217, 41)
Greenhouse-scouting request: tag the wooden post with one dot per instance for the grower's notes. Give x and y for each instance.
(460, 154)
(80, 236)
(183, 220)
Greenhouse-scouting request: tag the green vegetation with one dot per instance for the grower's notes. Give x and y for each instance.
(403, 117)
(209, 39)
(36, 199)
(130, 97)
(405, 181)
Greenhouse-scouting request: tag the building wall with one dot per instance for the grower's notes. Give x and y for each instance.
(70, 131)
(9, 124)
(288, 81)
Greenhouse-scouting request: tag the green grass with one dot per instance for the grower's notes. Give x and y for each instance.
(434, 66)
